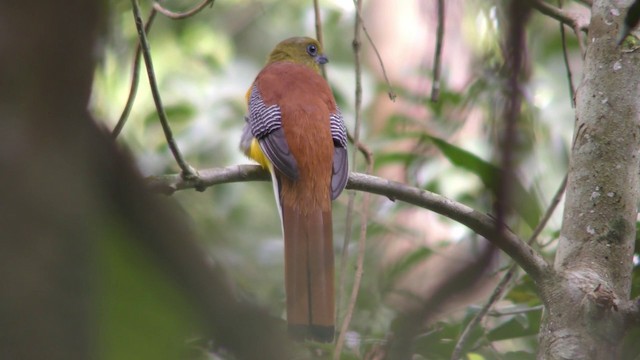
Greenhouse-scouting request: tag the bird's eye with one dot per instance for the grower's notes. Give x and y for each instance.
(312, 50)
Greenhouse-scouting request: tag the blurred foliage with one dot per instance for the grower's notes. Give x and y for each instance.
(205, 65)
(142, 313)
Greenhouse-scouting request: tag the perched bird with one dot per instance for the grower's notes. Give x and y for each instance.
(295, 130)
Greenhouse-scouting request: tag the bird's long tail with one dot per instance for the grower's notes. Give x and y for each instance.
(309, 273)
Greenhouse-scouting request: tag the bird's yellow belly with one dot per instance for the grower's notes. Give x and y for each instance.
(255, 153)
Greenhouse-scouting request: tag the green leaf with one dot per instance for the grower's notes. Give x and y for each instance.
(524, 202)
(142, 312)
(475, 356)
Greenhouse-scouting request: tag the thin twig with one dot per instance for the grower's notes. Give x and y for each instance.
(581, 41)
(498, 313)
(572, 20)
(497, 294)
(390, 91)
(365, 203)
(437, 57)
(319, 37)
(502, 286)
(135, 73)
(183, 15)
(565, 54)
(572, 91)
(135, 80)
(547, 215)
(187, 171)
(364, 149)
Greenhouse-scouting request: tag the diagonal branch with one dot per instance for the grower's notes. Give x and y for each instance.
(528, 258)
(182, 15)
(573, 19)
(524, 255)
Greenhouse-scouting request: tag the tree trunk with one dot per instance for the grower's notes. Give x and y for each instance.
(594, 259)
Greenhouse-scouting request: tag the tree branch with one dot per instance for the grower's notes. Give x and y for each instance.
(319, 36)
(480, 223)
(502, 286)
(135, 80)
(567, 66)
(187, 170)
(570, 18)
(528, 258)
(135, 76)
(178, 16)
(392, 94)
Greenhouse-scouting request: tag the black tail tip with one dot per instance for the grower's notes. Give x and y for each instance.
(317, 333)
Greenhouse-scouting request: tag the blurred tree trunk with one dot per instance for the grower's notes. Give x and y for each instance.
(594, 259)
(46, 69)
(76, 218)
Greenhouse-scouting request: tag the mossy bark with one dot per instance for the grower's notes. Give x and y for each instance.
(594, 259)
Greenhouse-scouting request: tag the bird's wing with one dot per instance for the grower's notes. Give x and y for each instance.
(340, 162)
(265, 123)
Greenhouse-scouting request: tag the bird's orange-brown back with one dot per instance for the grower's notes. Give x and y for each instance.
(305, 107)
(305, 103)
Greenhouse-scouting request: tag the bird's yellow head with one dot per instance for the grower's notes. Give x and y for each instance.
(300, 50)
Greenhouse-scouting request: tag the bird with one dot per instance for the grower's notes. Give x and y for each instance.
(295, 130)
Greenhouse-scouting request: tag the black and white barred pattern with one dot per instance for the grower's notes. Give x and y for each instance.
(262, 119)
(338, 129)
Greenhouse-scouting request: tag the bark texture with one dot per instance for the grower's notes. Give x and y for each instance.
(594, 259)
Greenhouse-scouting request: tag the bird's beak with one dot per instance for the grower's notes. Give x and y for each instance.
(321, 59)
